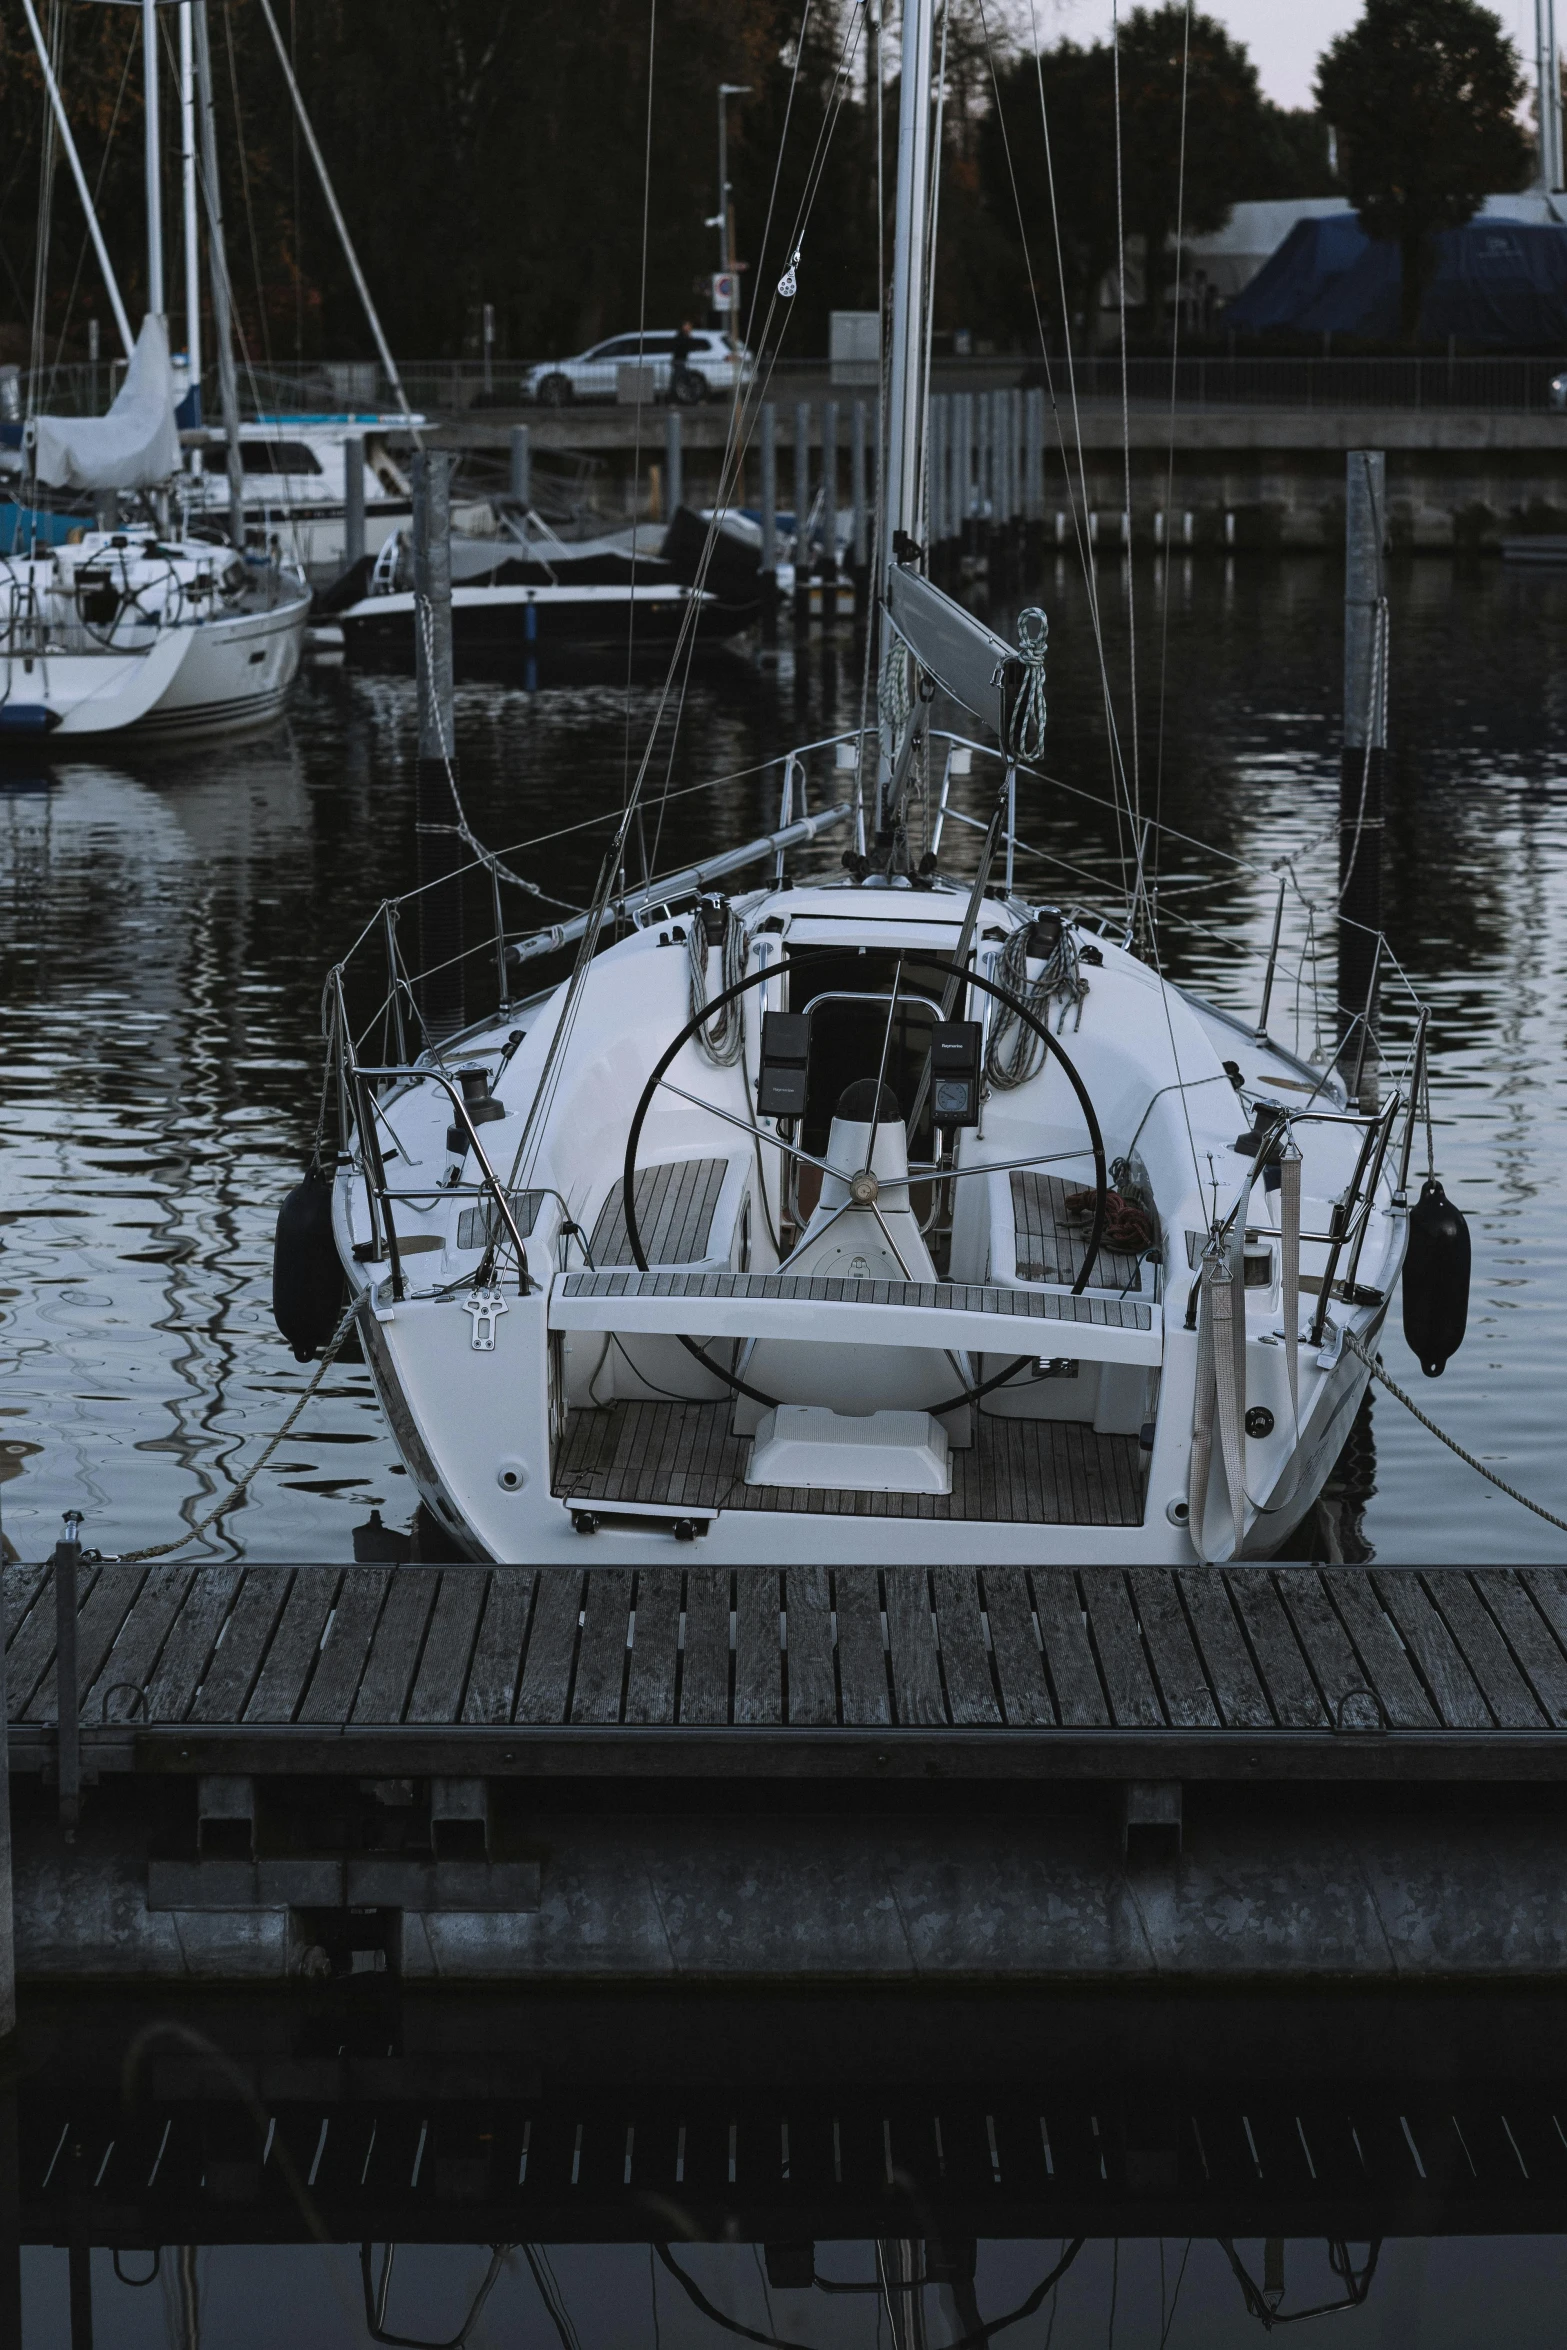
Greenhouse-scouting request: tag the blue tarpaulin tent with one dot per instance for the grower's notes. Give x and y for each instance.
(1496, 282)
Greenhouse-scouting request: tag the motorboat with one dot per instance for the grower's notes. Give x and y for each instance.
(526, 593)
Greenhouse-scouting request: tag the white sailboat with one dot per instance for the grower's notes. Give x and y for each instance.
(885, 1216)
(140, 629)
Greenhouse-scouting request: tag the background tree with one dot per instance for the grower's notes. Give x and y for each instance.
(1226, 132)
(1423, 94)
(1017, 175)
(1238, 147)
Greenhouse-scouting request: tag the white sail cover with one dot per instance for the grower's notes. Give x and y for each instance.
(134, 446)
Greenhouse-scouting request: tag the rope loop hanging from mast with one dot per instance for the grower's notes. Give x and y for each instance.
(1030, 710)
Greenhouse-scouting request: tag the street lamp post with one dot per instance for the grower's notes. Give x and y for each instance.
(724, 221)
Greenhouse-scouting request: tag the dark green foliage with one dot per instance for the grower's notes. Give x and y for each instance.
(1237, 146)
(483, 150)
(1423, 94)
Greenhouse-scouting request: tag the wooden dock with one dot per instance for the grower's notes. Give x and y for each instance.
(807, 1772)
(814, 1671)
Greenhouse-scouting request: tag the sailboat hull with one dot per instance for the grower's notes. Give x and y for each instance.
(211, 676)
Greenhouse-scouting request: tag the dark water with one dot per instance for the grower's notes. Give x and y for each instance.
(167, 923)
(1078, 2171)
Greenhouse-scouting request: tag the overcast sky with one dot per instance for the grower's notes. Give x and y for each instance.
(1285, 37)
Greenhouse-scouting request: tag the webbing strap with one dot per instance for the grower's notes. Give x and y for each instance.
(1289, 1235)
(1202, 1425)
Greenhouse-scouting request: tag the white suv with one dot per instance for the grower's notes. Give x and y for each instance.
(714, 366)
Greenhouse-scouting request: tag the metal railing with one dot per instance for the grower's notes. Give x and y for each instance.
(1502, 381)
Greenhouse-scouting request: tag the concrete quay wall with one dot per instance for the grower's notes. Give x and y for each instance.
(1365, 1892)
(1250, 478)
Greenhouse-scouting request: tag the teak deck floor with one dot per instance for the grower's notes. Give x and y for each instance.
(1016, 1472)
(774, 1671)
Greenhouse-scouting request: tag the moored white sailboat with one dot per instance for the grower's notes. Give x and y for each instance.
(141, 630)
(886, 1216)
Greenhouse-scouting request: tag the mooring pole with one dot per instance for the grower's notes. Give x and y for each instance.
(440, 849)
(769, 521)
(522, 465)
(859, 492)
(829, 490)
(674, 470)
(1364, 756)
(802, 512)
(353, 501)
(67, 1704)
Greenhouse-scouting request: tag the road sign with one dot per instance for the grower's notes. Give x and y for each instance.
(726, 289)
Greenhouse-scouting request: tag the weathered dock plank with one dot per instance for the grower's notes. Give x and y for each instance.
(382, 1671)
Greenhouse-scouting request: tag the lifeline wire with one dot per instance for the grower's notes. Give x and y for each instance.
(1374, 1365)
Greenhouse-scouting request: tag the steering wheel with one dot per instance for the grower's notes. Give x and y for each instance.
(856, 1180)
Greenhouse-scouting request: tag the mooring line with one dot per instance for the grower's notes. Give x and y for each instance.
(1375, 1366)
(236, 1493)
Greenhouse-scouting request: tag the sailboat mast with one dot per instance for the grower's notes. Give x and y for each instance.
(149, 41)
(910, 277)
(188, 195)
(218, 271)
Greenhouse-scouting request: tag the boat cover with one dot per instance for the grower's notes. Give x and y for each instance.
(1496, 282)
(135, 446)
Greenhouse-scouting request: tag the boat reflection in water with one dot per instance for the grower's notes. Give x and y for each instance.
(356, 2165)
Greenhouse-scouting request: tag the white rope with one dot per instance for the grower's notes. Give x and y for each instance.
(1015, 1052)
(1030, 712)
(237, 1492)
(721, 1039)
(1374, 1365)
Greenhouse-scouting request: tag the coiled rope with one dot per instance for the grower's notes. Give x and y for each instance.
(236, 1493)
(721, 1039)
(1028, 716)
(1015, 1052)
(1374, 1365)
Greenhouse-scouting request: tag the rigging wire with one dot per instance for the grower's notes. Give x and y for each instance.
(1169, 480)
(1126, 446)
(681, 653)
(636, 430)
(1077, 496)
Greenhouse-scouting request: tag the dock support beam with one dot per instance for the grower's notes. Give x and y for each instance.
(353, 501)
(1363, 760)
(440, 851)
(1151, 1821)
